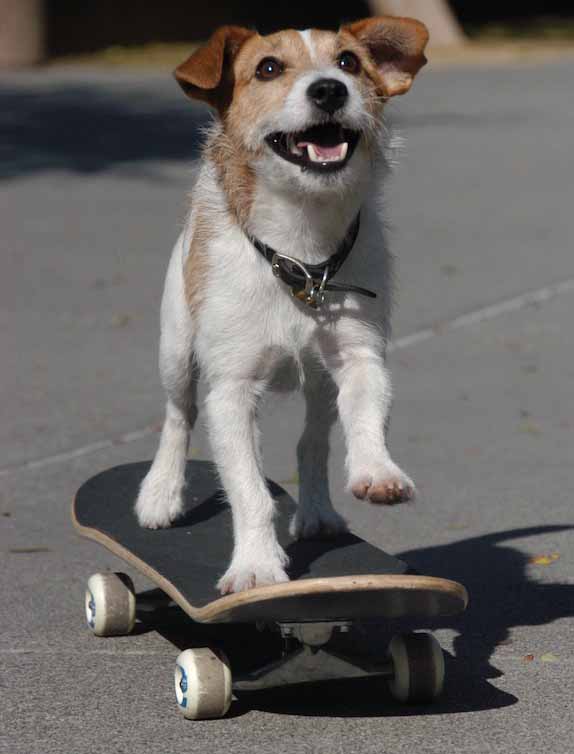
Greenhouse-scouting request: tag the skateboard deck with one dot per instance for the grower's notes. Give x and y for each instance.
(339, 579)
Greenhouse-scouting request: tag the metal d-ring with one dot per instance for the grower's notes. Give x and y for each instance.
(318, 294)
(312, 294)
(276, 267)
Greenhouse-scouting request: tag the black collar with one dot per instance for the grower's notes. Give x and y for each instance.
(309, 281)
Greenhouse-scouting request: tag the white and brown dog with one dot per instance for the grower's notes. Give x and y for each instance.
(283, 255)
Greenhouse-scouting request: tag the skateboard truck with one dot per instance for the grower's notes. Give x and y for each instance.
(314, 634)
(308, 657)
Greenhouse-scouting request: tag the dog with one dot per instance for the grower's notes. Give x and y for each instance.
(283, 257)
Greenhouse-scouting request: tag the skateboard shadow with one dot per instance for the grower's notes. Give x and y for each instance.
(246, 646)
(502, 597)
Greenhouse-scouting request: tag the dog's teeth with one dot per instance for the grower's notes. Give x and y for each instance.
(293, 148)
(314, 156)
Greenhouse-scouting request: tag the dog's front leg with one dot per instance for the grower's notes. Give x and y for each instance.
(258, 558)
(315, 517)
(364, 401)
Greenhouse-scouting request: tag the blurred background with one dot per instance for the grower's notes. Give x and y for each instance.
(96, 149)
(34, 31)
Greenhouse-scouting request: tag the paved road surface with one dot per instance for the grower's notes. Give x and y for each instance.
(94, 172)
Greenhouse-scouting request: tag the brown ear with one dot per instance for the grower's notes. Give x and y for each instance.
(396, 46)
(207, 74)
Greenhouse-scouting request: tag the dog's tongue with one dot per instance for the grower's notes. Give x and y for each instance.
(325, 153)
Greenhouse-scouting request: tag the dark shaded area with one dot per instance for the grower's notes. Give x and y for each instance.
(88, 128)
(91, 25)
(502, 596)
(370, 697)
(248, 647)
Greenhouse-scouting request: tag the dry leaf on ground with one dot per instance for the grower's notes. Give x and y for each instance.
(544, 560)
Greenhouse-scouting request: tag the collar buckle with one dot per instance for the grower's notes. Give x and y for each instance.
(313, 293)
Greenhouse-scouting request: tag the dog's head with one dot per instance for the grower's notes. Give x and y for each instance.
(306, 107)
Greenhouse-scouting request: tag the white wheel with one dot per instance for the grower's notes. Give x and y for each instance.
(418, 668)
(110, 604)
(202, 684)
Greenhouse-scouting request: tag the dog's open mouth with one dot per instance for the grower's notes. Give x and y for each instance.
(324, 149)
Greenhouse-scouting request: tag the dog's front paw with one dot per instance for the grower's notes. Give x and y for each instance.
(159, 502)
(245, 574)
(387, 485)
(316, 523)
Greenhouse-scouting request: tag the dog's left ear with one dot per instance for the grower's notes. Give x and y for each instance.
(207, 74)
(396, 46)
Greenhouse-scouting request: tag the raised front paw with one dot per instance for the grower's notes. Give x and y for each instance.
(387, 485)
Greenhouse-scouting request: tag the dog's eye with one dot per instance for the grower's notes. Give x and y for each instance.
(268, 69)
(349, 62)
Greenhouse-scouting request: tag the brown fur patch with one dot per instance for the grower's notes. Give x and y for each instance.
(206, 75)
(196, 263)
(253, 99)
(235, 174)
(395, 46)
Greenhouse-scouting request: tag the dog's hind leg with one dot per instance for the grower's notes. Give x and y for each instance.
(315, 517)
(160, 500)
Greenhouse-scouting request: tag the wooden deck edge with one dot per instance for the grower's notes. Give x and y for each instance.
(219, 608)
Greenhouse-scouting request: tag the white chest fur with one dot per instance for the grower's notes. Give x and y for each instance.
(248, 321)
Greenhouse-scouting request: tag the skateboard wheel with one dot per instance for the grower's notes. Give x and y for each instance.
(110, 604)
(418, 668)
(203, 684)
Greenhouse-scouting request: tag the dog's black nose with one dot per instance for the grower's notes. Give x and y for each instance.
(328, 94)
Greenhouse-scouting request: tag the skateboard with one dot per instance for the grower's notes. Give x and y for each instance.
(336, 586)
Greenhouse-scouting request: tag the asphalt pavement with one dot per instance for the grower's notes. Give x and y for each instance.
(94, 171)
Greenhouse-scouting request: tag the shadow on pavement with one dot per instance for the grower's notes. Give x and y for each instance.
(246, 646)
(89, 128)
(502, 596)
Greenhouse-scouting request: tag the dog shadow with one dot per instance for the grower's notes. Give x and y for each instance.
(502, 595)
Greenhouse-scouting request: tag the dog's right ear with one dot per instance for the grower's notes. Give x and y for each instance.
(396, 46)
(207, 75)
